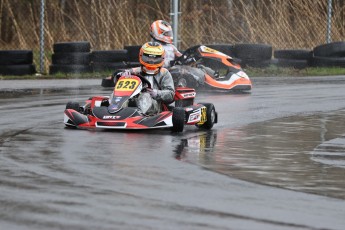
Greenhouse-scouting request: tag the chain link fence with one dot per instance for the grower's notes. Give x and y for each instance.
(281, 23)
(113, 24)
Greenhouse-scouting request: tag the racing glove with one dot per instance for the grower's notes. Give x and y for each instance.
(152, 92)
(125, 73)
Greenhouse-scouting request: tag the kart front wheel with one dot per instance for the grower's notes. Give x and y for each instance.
(211, 116)
(73, 105)
(178, 119)
(108, 82)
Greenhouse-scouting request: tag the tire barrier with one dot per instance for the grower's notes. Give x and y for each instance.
(53, 69)
(16, 62)
(293, 58)
(76, 57)
(71, 57)
(328, 62)
(292, 63)
(333, 49)
(68, 47)
(133, 53)
(133, 64)
(108, 66)
(329, 55)
(253, 55)
(109, 60)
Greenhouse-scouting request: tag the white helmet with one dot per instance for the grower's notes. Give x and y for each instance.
(162, 31)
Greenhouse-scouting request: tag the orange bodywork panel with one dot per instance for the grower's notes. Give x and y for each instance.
(218, 84)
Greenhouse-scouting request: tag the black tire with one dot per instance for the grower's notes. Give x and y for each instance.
(133, 53)
(17, 70)
(253, 51)
(73, 105)
(107, 66)
(65, 47)
(76, 58)
(178, 119)
(106, 82)
(16, 57)
(256, 63)
(211, 116)
(53, 69)
(333, 49)
(328, 62)
(292, 63)
(297, 54)
(133, 64)
(109, 55)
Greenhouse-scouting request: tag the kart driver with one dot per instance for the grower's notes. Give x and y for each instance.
(151, 58)
(162, 33)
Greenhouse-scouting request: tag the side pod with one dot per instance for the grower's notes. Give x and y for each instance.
(75, 119)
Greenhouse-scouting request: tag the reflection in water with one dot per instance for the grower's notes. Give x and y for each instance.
(331, 153)
(201, 146)
(305, 153)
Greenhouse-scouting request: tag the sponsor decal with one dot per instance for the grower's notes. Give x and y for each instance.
(207, 49)
(113, 107)
(188, 95)
(105, 117)
(194, 117)
(203, 116)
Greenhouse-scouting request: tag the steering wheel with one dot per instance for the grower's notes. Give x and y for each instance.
(146, 83)
(186, 56)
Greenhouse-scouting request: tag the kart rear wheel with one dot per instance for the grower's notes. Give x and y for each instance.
(73, 105)
(211, 116)
(178, 119)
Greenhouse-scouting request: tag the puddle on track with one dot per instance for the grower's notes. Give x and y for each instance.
(304, 153)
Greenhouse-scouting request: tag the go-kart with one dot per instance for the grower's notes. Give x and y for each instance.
(203, 67)
(120, 110)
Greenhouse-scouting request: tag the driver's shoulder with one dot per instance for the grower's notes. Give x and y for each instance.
(164, 71)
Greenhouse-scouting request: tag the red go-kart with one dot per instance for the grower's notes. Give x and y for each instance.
(119, 111)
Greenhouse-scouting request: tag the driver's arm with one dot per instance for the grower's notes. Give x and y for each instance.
(177, 53)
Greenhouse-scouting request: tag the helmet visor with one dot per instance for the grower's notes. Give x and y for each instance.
(152, 59)
(168, 33)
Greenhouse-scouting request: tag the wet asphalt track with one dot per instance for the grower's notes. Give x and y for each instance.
(276, 160)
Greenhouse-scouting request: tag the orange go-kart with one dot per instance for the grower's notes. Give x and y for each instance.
(203, 67)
